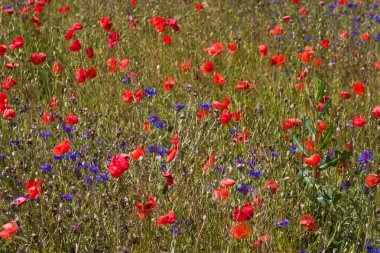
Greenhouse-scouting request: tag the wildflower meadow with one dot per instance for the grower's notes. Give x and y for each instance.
(190, 126)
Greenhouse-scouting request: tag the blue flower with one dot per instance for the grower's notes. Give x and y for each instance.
(46, 134)
(150, 92)
(365, 157)
(159, 124)
(292, 149)
(255, 173)
(178, 107)
(94, 170)
(152, 149)
(46, 167)
(72, 155)
(377, 37)
(67, 197)
(67, 128)
(161, 151)
(205, 106)
(220, 169)
(102, 177)
(88, 179)
(245, 189)
(58, 157)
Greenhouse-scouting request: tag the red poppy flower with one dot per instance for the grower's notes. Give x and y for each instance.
(175, 140)
(309, 145)
(62, 148)
(308, 221)
(341, 2)
(270, 186)
(19, 201)
(53, 103)
(215, 49)
(147, 128)
(376, 65)
(313, 160)
(325, 43)
(365, 37)
(185, 65)
(57, 68)
(317, 63)
(359, 121)
(237, 116)
(168, 176)
(240, 137)
(221, 193)
(139, 95)
(137, 153)
(123, 64)
(358, 88)
(344, 94)
(172, 22)
(306, 56)
(3, 49)
(91, 73)
(299, 86)
(198, 7)
(144, 209)
(113, 38)
(3, 97)
(37, 58)
(17, 42)
(8, 83)
(276, 30)
(202, 113)
(303, 11)
(112, 65)
(244, 214)
(171, 154)
(47, 117)
(63, 9)
(32, 188)
(167, 39)
(376, 112)
(127, 97)
(218, 79)
(71, 119)
(227, 182)
(344, 35)
(75, 46)
(9, 113)
(321, 125)
(245, 85)
(241, 231)
(263, 49)
(166, 219)
(210, 162)
(118, 165)
(8, 231)
(133, 2)
(288, 124)
(219, 105)
(277, 60)
(261, 239)
(372, 180)
(225, 117)
(207, 67)
(90, 52)
(231, 47)
(80, 75)
(286, 19)
(105, 23)
(168, 84)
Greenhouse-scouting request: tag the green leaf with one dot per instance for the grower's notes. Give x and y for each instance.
(309, 127)
(326, 139)
(319, 91)
(332, 161)
(325, 110)
(300, 148)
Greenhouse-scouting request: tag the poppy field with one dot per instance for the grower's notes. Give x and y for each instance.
(186, 126)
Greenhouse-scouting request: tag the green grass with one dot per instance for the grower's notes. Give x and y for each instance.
(345, 218)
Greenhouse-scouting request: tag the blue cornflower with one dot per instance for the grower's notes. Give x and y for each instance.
(205, 106)
(46, 134)
(58, 157)
(220, 169)
(67, 197)
(365, 157)
(255, 173)
(102, 177)
(175, 231)
(331, 7)
(150, 92)
(178, 107)
(67, 128)
(252, 163)
(127, 79)
(232, 131)
(152, 149)
(292, 148)
(243, 189)
(356, 19)
(46, 167)
(330, 153)
(72, 155)
(273, 154)
(354, 33)
(94, 170)
(159, 124)
(153, 118)
(161, 151)
(88, 179)
(16, 143)
(377, 37)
